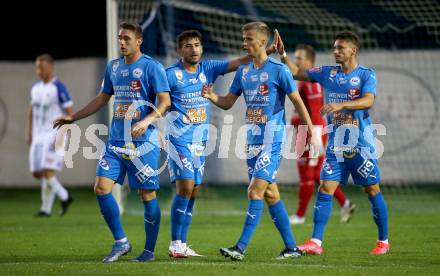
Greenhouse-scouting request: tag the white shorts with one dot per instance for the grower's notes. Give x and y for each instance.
(42, 155)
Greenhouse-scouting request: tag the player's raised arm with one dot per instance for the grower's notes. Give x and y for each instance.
(296, 72)
(164, 103)
(224, 102)
(94, 105)
(234, 63)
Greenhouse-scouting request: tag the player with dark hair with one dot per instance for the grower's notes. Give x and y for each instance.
(350, 91)
(310, 168)
(136, 81)
(188, 130)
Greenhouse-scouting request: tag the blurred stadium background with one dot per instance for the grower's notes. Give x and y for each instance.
(401, 41)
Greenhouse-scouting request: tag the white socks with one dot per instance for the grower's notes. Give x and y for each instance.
(49, 188)
(47, 196)
(60, 191)
(176, 243)
(123, 240)
(318, 242)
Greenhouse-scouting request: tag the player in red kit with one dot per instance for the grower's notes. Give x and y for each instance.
(309, 168)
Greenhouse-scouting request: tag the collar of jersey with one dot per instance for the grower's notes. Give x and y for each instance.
(262, 65)
(184, 69)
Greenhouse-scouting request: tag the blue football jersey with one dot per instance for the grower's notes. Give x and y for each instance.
(189, 115)
(264, 90)
(137, 84)
(347, 128)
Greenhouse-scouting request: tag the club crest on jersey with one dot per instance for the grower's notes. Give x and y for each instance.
(202, 77)
(245, 70)
(264, 77)
(353, 93)
(135, 85)
(355, 81)
(333, 72)
(179, 74)
(263, 89)
(137, 72)
(115, 66)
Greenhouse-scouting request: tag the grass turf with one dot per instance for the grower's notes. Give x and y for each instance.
(76, 243)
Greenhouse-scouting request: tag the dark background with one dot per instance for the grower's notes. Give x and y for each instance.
(65, 29)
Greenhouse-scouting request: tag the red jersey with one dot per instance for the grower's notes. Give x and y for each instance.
(312, 96)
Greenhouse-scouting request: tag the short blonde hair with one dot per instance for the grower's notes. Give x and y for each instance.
(259, 26)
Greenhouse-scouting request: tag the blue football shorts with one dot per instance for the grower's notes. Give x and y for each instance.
(364, 171)
(139, 160)
(186, 161)
(263, 161)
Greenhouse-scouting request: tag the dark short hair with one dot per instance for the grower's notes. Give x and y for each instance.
(45, 57)
(349, 36)
(310, 51)
(188, 34)
(135, 28)
(259, 26)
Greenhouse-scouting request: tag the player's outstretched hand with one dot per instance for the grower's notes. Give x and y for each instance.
(59, 122)
(139, 128)
(207, 91)
(273, 47)
(330, 108)
(315, 146)
(280, 44)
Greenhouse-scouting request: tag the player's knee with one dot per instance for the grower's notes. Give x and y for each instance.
(146, 195)
(185, 188)
(326, 188)
(195, 191)
(271, 197)
(372, 190)
(185, 192)
(255, 195)
(101, 189)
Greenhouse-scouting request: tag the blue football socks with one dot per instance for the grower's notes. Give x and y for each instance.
(321, 214)
(380, 215)
(110, 211)
(253, 215)
(188, 220)
(151, 223)
(178, 212)
(280, 218)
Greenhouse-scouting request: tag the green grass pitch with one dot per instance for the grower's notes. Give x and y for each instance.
(76, 243)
